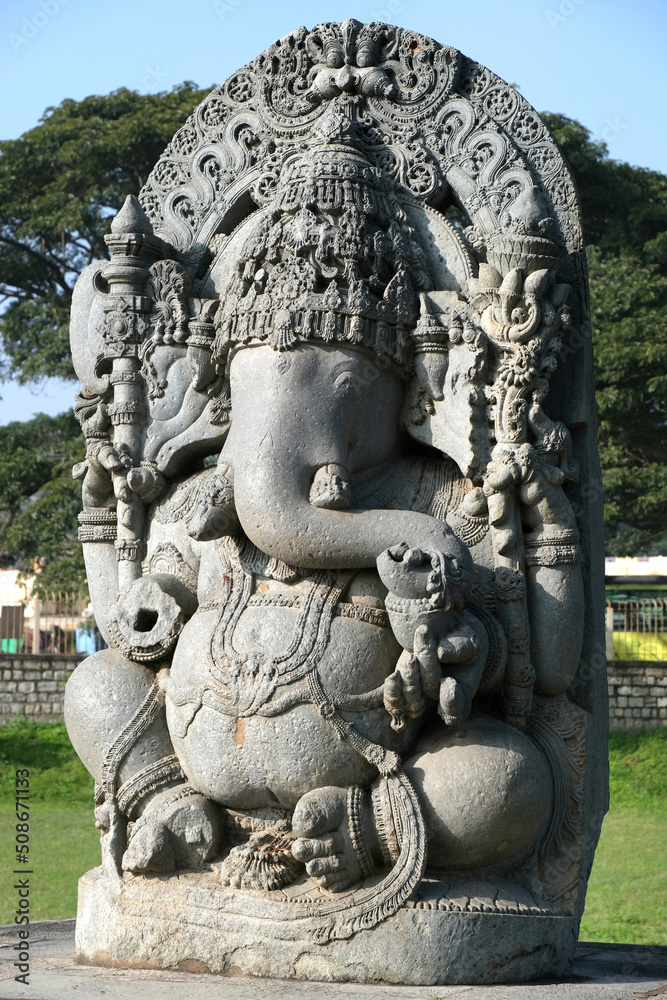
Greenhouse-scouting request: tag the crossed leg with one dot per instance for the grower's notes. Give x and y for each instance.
(485, 794)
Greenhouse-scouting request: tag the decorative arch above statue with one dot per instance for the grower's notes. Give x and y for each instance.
(338, 404)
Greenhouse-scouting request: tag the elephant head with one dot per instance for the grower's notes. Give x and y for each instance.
(319, 300)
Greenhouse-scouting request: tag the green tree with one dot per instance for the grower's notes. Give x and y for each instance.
(60, 185)
(39, 500)
(625, 225)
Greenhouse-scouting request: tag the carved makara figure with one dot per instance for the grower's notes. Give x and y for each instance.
(329, 531)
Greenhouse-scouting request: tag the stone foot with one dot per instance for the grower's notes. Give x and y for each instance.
(179, 828)
(331, 830)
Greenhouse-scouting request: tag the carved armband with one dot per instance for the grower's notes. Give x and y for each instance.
(98, 524)
(355, 812)
(130, 549)
(95, 444)
(470, 528)
(385, 822)
(125, 378)
(126, 412)
(556, 548)
(150, 779)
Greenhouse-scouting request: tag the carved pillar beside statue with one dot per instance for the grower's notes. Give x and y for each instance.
(338, 399)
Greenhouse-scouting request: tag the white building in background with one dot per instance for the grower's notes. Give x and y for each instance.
(636, 578)
(11, 592)
(648, 568)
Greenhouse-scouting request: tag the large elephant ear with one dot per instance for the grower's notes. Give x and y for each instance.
(86, 316)
(445, 403)
(454, 424)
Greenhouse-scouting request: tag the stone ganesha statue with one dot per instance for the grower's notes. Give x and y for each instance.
(327, 529)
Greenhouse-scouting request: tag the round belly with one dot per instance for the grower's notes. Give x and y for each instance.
(245, 753)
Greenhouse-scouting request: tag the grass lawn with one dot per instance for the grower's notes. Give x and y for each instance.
(627, 892)
(627, 896)
(64, 842)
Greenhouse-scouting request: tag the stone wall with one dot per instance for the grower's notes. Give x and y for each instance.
(34, 685)
(637, 694)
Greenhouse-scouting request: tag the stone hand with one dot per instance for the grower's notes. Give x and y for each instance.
(102, 467)
(538, 483)
(418, 678)
(463, 655)
(415, 681)
(320, 823)
(545, 505)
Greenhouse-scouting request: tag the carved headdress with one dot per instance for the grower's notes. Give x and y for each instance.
(332, 258)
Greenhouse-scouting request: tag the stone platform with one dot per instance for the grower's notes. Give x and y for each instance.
(601, 972)
(453, 931)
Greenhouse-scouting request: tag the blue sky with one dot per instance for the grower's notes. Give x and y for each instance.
(600, 61)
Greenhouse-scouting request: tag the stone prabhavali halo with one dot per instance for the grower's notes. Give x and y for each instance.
(338, 405)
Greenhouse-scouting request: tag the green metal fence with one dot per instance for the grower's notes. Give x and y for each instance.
(637, 630)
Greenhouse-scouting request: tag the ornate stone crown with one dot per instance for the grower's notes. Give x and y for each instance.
(332, 258)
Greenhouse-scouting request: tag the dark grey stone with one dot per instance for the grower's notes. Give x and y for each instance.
(354, 705)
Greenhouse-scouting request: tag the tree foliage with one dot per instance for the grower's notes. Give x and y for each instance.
(39, 500)
(60, 185)
(625, 224)
(62, 182)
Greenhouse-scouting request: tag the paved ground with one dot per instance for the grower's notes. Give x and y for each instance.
(601, 972)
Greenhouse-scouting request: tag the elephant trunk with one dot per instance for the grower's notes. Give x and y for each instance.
(274, 507)
(303, 424)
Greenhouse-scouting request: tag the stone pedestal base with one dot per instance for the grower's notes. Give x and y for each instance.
(192, 924)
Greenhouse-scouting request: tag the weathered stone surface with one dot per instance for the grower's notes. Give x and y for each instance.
(600, 972)
(351, 721)
(421, 944)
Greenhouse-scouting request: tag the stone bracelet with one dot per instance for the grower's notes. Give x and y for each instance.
(553, 549)
(152, 778)
(355, 812)
(98, 524)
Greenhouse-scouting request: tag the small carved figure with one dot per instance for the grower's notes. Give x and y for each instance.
(326, 517)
